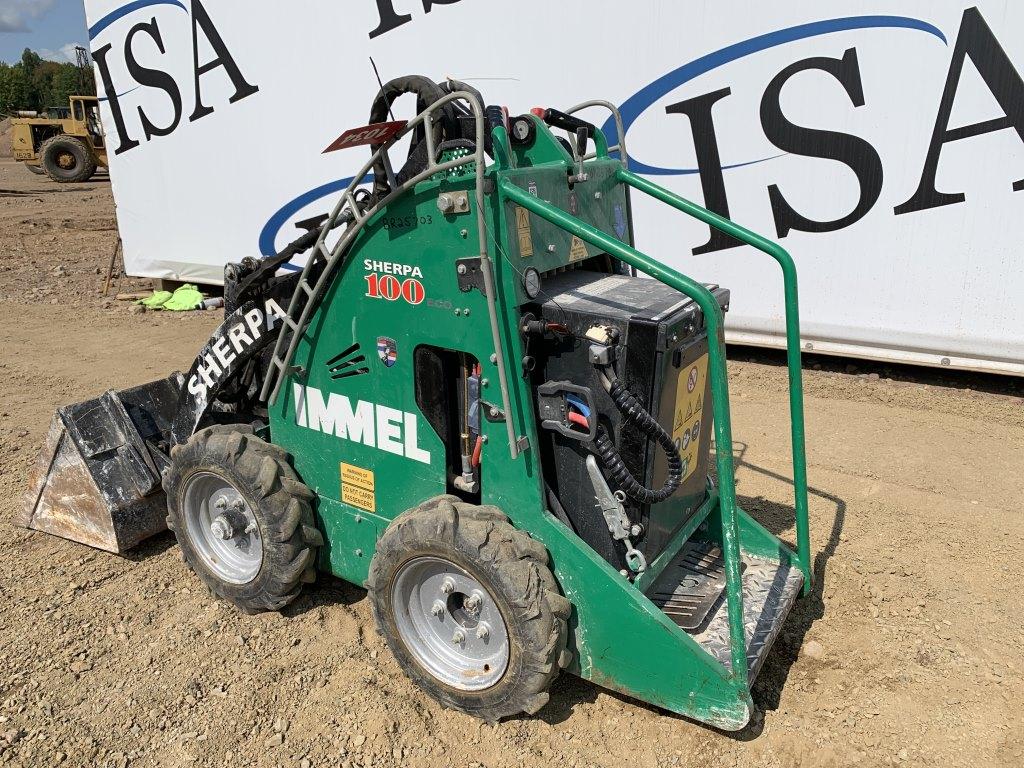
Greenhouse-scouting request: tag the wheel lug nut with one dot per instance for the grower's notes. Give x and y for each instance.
(221, 502)
(221, 528)
(459, 637)
(448, 586)
(437, 608)
(472, 603)
(483, 632)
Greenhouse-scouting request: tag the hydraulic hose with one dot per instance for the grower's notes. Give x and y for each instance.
(633, 412)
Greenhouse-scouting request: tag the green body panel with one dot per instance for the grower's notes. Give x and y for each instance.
(412, 233)
(620, 639)
(596, 202)
(350, 537)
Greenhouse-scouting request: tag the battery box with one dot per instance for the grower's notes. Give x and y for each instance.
(662, 357)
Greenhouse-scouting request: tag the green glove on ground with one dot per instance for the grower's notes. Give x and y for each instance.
(156, 300)
(187, 297)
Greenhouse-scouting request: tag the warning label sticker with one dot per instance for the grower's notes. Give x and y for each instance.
(523, 229)
(688, 419)
(357, 487)
(577, 249)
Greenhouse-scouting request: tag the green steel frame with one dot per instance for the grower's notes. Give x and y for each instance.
(793, 355)
(726, 496)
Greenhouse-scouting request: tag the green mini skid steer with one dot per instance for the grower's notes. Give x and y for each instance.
(468, 401)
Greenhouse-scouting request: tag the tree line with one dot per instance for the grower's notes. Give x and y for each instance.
(36, 84)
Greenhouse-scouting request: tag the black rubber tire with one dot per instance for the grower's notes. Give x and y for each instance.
(513, 568)
(54, 147)
(281, 503)
(35, 169)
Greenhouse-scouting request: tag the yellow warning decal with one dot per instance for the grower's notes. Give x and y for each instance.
(577, 249)
(688, 420)
(525, 235)
(357, 487)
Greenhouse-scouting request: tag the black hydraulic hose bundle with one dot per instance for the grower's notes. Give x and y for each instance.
(453, 122)
(635, 413)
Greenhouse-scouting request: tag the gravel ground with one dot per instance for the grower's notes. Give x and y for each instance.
(909, 652)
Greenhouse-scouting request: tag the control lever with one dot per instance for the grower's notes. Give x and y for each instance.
(557, 119)
(583, 131)
(581, 152)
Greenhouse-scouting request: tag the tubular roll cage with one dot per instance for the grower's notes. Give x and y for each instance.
(306, 296)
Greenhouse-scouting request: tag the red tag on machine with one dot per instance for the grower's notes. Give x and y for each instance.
(377, 133)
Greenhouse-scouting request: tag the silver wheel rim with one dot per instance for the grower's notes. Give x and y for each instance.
(222, 528)
(450, 623)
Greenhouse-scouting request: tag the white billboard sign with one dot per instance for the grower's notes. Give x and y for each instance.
(882, 144)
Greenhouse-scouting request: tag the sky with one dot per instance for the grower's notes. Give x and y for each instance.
(52, 28)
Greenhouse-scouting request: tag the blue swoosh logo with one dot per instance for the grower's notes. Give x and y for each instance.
(123, 93)
(642, 100)
(268, 235)
(124, 10)
(639, 102)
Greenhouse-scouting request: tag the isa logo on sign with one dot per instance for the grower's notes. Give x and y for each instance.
(387, 349)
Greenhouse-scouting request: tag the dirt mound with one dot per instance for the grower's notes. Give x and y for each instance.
(908, 653)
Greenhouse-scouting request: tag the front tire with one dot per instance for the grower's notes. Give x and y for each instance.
(67, 160)
(242, 517)
(35, 169)
(470, 608)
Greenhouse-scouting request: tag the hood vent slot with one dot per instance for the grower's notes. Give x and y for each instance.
(348, 363)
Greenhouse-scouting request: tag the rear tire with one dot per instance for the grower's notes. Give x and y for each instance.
(67, 160)
(35, 169)
(242, 517)
(474, 549)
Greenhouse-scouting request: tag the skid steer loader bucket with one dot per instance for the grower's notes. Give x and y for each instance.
(97, 478)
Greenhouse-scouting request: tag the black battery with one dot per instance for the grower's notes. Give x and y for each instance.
(662, 357)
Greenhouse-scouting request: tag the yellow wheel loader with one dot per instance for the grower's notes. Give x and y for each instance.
(67, 144)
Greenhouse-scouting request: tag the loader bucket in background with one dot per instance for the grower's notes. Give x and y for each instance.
(97, 478)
